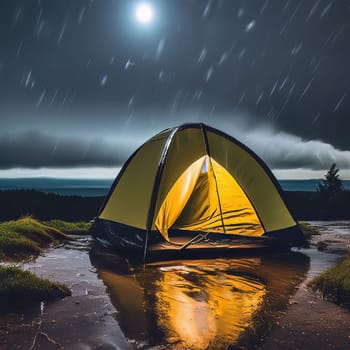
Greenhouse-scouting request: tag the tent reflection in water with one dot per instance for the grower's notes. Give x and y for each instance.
(209, 313)
(200, 304)
(194, 190)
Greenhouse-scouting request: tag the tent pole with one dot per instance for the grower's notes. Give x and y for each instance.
(218, 195)
(145, 247)
(216, 183)
(156, 184)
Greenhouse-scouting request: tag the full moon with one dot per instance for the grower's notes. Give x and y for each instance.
(144, 13)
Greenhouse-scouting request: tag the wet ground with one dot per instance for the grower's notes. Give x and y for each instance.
(335, 235)
(311, 322)
(198, 304)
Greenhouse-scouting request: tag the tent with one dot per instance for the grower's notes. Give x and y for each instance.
(190, 180)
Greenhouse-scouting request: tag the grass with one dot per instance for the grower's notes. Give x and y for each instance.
(308, 230)
(21, 239)
(80, 227)
(334, 283)
(23, 287)
(25, 237)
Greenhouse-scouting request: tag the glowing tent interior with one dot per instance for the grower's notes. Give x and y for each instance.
(191, 179)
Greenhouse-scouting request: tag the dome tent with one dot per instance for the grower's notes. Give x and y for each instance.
(189, 179)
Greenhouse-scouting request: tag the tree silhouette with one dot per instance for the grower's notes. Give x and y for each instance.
(331, 185)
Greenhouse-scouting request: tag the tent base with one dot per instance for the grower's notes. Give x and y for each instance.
(211, 249)
(129, 242)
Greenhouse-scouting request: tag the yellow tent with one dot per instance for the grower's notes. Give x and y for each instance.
(193, 178)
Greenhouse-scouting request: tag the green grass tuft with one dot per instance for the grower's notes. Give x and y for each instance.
(25, 237)
(334, 283)
(21, 239)
(15, 245)
(19, 286)
(80, 227)
(308, 230)
(35, 230)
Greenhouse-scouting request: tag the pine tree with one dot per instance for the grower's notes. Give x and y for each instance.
(332, 184)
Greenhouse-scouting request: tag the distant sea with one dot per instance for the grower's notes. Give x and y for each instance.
(100, 187)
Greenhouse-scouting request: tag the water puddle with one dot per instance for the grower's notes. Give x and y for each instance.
(200, 304)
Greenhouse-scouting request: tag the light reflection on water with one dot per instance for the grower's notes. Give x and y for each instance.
(200, 304)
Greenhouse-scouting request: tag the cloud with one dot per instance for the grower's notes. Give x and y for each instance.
(280, 150)
(285, 151)
(34, 149)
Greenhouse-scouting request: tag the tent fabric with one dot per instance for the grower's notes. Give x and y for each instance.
(254, 180)
(204, 202)
(178, 197)
(186, 147)
(194, 177)
(129, 201)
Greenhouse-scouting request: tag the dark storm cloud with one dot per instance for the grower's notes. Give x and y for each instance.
(36, 150)
(286, 151)
(278, 150)
(88, 66)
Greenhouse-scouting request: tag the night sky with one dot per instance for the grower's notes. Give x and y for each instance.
(83, 82)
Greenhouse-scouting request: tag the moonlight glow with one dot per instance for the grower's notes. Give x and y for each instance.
(144, 13)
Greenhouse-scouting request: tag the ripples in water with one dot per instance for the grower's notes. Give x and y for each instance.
(200, 304)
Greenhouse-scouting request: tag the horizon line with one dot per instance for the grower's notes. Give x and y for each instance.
(104, 173)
